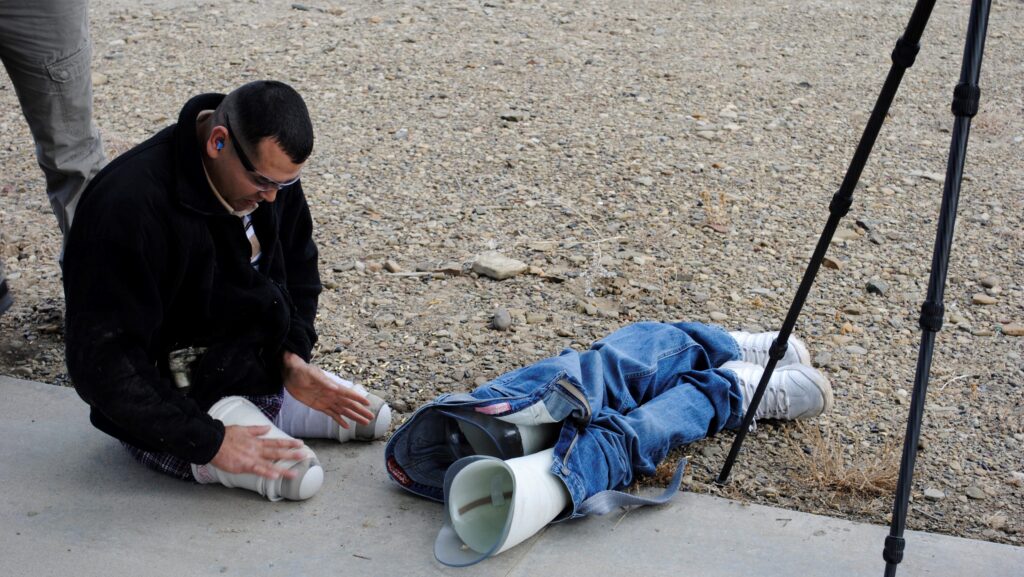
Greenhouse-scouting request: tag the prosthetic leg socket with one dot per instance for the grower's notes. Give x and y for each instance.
(493, 505)
(309, 474)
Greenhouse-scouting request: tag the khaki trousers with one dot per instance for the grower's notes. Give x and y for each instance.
(45, 47)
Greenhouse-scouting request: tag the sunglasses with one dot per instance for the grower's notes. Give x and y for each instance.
(263, 183)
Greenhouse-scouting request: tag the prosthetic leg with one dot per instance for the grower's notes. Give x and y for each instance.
(309, 474)
(299, 420)
(504, 492)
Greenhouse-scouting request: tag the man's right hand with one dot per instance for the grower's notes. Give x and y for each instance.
(243, 451)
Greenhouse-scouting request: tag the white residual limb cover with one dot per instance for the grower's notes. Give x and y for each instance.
(381, 414)
(497, 504)
(299, 420)
(241, 412)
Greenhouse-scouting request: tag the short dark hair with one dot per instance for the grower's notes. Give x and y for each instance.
(269, 109)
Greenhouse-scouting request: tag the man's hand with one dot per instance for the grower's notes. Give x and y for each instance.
(311, 387)
(243, 451)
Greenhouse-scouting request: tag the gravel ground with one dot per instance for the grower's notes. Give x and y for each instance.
(646, 160)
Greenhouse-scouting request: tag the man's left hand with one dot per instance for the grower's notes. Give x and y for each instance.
(311, 387)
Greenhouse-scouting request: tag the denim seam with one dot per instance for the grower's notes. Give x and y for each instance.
(651, 371)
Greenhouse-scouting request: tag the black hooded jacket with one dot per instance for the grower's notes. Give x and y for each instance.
(154, 263)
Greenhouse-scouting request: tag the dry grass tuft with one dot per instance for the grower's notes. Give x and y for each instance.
(716, 214)
(828, 466)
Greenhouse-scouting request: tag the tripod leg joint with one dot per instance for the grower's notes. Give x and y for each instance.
(905, 53)
(893, 551)
(841, 203)
(931, 316)
(965, 100)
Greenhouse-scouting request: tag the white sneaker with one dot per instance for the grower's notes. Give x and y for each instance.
(794, 391)
(754, 347)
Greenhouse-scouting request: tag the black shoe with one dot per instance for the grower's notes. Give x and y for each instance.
(5, 297)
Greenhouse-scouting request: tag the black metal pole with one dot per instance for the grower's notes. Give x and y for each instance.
(903, 56)
(965, 106)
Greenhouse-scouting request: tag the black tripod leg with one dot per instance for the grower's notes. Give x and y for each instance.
(902, 58)
(965, 106)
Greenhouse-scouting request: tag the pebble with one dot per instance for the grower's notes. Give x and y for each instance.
(823, 359)
(933, 494)
(718, 317)
(997, 521)
(975, 492)
(497, 266)
(989, 281)
(501, 320)
(1013, 329)
(515, 116)
(877, 287)
(832, 263)
(983, 299)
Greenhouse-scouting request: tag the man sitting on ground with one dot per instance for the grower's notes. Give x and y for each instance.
(191, 284)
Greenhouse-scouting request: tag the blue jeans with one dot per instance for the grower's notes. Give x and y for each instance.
(624, 404)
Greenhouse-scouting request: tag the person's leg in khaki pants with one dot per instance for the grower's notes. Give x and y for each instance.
(45, 47)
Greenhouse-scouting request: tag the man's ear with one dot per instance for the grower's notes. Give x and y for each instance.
(216, 142)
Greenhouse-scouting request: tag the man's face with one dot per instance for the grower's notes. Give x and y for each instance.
(271, 166)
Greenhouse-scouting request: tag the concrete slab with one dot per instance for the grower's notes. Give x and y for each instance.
(74, 504)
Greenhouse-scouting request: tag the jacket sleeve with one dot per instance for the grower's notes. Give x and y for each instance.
(303, 277)
(116, 277)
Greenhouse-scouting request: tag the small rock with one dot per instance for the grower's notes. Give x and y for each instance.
(645, 180)
(997, 521)
(374, 267)
(515, 116)
(845, 234)
(983, 299)
(934, 494)
(497, 266)
(877, 287)
(344, 267)
(99, 79)
(823, 360)
(450, 268)
(1013, 329)
(384, 321)
(392, 266)
(564, 332)
(536, 318)
(1016, 479)
(989, 281)
(718, 316)
(832, 263)
(975, 492)
(502, 320)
